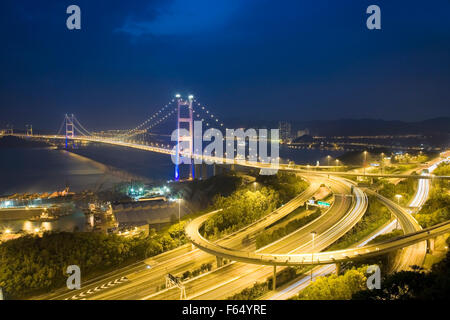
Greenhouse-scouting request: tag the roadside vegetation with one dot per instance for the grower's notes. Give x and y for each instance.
(335, 287)
(376, 216)
(437, 207)
(386, 236)
(32, 265)
(403, 285)
(406, 188)
(442, 170)
(261, 288)
(413, 285)
(266, 237)
(205, 267)
(249, 203)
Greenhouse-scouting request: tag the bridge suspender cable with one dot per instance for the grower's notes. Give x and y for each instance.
(150, 122)
(202, 113)
(86, 132)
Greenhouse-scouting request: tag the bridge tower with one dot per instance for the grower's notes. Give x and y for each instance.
(185, 121)
(29, 129)
(70, 130)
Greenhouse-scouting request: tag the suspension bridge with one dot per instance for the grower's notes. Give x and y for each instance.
(186, 111)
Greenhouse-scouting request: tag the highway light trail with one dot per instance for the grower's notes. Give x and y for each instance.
(325, 270)
(423, 188)
(419, 199)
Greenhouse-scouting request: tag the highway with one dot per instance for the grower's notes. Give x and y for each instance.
(237, 276)
(292, 289)
(180, 259)
(405, 257)
(410, 255)
(142, 285)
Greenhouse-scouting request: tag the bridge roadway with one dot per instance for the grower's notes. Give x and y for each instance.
(245, 163)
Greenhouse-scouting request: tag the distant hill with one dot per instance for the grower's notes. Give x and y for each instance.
(370, 127)
(357, 127)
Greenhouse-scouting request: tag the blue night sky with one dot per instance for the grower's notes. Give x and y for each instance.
(255, 59)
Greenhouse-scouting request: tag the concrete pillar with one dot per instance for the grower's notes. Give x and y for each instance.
(338, 268)
(204, 171)
(219, 262)
(217, 169)
(430, 245)
(198, 168)
(274, 284)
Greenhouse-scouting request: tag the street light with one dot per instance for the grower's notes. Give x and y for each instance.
(254, 186)
(382, 161)
(313, 234)
(398, 196)
(364, 164)
(179, 209)
(328, 158)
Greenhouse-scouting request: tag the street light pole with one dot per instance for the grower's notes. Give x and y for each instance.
(179, 210)
(364, 164)
(398, 196)
(312, 254)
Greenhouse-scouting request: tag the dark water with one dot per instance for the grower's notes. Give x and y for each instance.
(92, 167)
(73, 222)
(97, 167)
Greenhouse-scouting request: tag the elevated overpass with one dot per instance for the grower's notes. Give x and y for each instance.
(327, 257)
